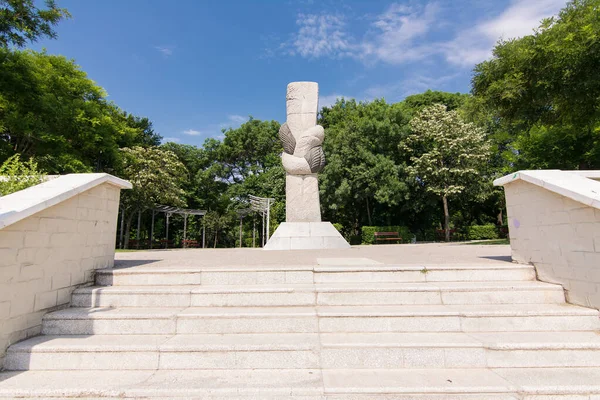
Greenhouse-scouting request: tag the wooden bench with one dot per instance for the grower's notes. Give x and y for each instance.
(387, 237)
(190, 243)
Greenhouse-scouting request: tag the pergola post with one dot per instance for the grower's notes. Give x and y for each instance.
(263, 205)
(203, 233)
(168, 210)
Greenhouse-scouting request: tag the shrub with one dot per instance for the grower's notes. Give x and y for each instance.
(482, 232)
(338, 226)
(16, 175)
(368, 233)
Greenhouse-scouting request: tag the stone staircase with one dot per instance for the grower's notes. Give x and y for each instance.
(355, 332)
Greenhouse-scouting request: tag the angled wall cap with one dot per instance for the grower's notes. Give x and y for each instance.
(24, 203)
(576, 185)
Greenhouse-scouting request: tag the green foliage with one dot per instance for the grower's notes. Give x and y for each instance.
(21, 21)
(363, 174)
(543, 91)
(51, 110)
(338, 226)
(482, 232)
(16, 175)
(448, 155)
(156, 176)
(368, 233)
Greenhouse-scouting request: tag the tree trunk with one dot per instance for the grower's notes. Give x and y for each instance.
(128, 222)
(446, 218)
(216, 235)
(369, 213)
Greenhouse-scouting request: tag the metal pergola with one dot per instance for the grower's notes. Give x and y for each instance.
(263, 205)
(169, 210)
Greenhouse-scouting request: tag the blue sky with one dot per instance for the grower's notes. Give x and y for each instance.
(195, 67)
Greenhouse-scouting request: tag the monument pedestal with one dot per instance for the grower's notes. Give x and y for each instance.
(305, 236)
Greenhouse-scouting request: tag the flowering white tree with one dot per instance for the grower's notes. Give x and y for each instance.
(447, 154)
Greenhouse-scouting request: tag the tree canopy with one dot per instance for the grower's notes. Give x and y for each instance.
(544, 91)
(51, 110)
(21, 21)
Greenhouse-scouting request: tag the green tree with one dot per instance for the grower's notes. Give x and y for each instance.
(543, 92)
(362, 179)
(17, 175)
(51, 110)
(21, 21)
(447, 154)
(157, 177)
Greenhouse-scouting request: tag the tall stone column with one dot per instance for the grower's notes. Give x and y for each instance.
(302, 190)
(303, 159)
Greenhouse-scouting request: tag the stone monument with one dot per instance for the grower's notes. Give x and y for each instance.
(303, 159)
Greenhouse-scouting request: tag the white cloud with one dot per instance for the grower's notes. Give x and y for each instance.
(191, 132)
(329, 100)
(165, 50)
(475, 44)
(399, 34)
(233, 121)
(238, 119)
(320, 35)
(395, 33)
(171, 139)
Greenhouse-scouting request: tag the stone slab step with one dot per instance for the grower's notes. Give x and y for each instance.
(100, 352)
(460, 350)
(420, 318)
(335, 351)
(501, 292)
(458, 384)
(264, 275)
(270, 384)
(457, 318)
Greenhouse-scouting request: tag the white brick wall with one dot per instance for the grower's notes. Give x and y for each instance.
(560, 236)
(45, 256)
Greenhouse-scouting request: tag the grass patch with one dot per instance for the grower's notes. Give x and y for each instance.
(491, 242)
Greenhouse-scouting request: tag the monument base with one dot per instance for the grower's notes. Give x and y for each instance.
(306, 235)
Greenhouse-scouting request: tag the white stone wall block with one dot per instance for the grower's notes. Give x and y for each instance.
(45, 300)
(26, 255)
(582, 215)
(61, 280)
(8, 257)
(12, 240)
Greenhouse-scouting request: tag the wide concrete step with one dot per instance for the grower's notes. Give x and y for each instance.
(124, 352)
(460, 350)
(500, 292)
(335, 351)
(265, 275)
(411, 318)
(271, 384)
